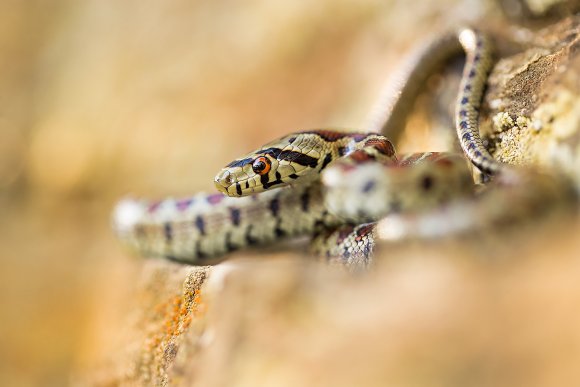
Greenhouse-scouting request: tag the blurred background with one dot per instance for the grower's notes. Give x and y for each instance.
(99, 99)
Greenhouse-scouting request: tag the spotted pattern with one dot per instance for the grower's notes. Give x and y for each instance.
(336, 186)
(478, 64)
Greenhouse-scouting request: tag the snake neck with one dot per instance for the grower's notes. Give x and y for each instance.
(352, 149)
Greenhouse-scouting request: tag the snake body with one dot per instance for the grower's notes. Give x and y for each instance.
(201, 228)
(276, 192)
(394, 107)
(329, 184)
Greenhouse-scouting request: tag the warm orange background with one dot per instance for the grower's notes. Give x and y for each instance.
(103, 98)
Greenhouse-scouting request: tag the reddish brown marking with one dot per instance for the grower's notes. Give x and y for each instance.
(215, 199)
(346, 167)
(343, 233)
(183, 204)
(153, 207)
(434, 156)
(383, 146)
(364, 231)
(360, 156)
(332, 135)
(411, 159)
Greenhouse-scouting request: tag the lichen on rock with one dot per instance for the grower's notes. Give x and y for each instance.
(534, 102)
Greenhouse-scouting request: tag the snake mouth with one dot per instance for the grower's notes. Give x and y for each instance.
(225, 181)
(229, 184)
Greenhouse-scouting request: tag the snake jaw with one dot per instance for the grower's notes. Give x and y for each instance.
(236, 184)
(226, 183)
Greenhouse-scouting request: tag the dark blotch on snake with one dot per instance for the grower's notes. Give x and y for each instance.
(277, 230)
(264, 179)
(238, 189)
(268, 185)
(228, 242)
(464, 100)
(326, 161)
(278, 176)
(463, 125)
(472, 74)
(240, 163)
(247, 184)
(200, 224)
(369, 186)
(427, 182)
(305, 201)
(236, 216)
(275, 206)
(293, 176)
(288, 155)
(250, 240)
(298, 158)
(168, 232)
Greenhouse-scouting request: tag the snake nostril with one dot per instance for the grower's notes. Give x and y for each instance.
(224, 179)
(227, 179)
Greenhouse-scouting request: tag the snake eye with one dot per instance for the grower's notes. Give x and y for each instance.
(261, 165)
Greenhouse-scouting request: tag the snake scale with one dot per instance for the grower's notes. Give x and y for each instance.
(336, 186)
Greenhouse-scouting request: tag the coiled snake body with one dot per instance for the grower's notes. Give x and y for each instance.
(333, 185)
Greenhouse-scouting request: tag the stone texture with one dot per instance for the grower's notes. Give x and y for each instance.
(490, 310)
(534, 101)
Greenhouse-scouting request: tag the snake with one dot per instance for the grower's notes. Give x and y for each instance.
(339, 187)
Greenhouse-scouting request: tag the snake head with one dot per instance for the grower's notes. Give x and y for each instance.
(288, 160)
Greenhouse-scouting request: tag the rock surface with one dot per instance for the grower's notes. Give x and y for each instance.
(534, 102)
(490, 310)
